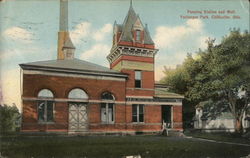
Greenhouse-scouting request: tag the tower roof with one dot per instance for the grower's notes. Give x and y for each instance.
(127, 26)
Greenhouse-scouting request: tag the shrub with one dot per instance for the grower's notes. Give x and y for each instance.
(9, 118)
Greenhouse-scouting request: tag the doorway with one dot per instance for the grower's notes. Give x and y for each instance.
(167, 115)
(78, 119)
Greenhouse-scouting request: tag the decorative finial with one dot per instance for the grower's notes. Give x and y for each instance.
(131, 3)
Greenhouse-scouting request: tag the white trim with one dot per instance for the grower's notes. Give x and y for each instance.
(146, 89)
(128, 96)
(102, 101)
(155, 103)
(63, 74)
(72, 100)
(130, 123)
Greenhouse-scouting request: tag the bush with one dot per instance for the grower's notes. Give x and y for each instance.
(9, 118)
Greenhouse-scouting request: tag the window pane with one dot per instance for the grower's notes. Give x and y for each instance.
(103, 113)
(45, 93)
(138, 83)
(141, 109)
(49, 111)
(138, 75)
(134, 118)
(110, 111)
(134, 112)
(138, 35)
(141, 113)
(41, 110)
(134, 109)
(77, 93)
(141, 117)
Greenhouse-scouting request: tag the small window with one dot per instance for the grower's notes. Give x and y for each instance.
(137, 113)
(45, 106)
(138, 78)
(137, 35)
(107, 109)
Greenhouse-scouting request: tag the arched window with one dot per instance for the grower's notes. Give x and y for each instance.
(77, 93)
(107, 108)
(45, 93)
(45, 106)
(107, 96)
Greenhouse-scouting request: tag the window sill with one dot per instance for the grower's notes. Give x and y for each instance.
(40, 122)
(138, 88)
(138, 123)
(109, 123)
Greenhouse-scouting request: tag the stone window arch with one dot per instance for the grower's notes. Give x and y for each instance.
(107, 96)
(107, 108)
(45, 106)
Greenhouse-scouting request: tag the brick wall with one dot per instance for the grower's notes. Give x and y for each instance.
(177, 117)
(61, 86)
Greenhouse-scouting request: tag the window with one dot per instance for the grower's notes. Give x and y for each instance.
(45, 106)
(138, 77)
(138, 113)
(107, 112)
(45, 111)
(137, 35)
(107, 109)
(77, 93)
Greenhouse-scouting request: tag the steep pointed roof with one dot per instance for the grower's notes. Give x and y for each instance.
(127, 27)
(147, 37)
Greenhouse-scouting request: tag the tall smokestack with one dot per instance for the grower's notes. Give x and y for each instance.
(65, 49)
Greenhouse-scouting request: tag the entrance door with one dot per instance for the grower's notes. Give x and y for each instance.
(78, 119)
(167, 115)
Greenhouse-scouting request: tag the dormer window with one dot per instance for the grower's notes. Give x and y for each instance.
(138, 35)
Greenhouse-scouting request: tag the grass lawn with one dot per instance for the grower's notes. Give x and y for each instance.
(115, 146)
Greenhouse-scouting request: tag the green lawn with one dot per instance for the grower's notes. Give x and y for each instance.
(115, 146)
(225, 137)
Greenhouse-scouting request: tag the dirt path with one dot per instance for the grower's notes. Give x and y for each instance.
(215, 141)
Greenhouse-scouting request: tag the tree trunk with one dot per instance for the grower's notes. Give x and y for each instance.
(238, 125)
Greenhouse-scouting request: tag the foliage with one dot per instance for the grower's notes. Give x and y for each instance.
(221, 72)
(9, 118)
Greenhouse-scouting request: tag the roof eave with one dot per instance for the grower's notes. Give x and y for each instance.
(53, 69)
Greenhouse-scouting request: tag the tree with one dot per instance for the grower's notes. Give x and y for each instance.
(231, 73)
(9, 118)
(221, 72)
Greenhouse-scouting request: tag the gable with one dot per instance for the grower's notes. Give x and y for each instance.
(138, 25)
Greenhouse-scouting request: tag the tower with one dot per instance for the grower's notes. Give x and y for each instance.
(65, 48)
(133, 53)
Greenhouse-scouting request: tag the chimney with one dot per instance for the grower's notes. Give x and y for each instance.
(65, 48)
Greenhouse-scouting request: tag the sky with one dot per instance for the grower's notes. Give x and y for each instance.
(28, 31)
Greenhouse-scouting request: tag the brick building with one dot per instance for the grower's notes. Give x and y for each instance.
(70, 95)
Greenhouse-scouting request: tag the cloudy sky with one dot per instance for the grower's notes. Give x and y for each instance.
(28, 31)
